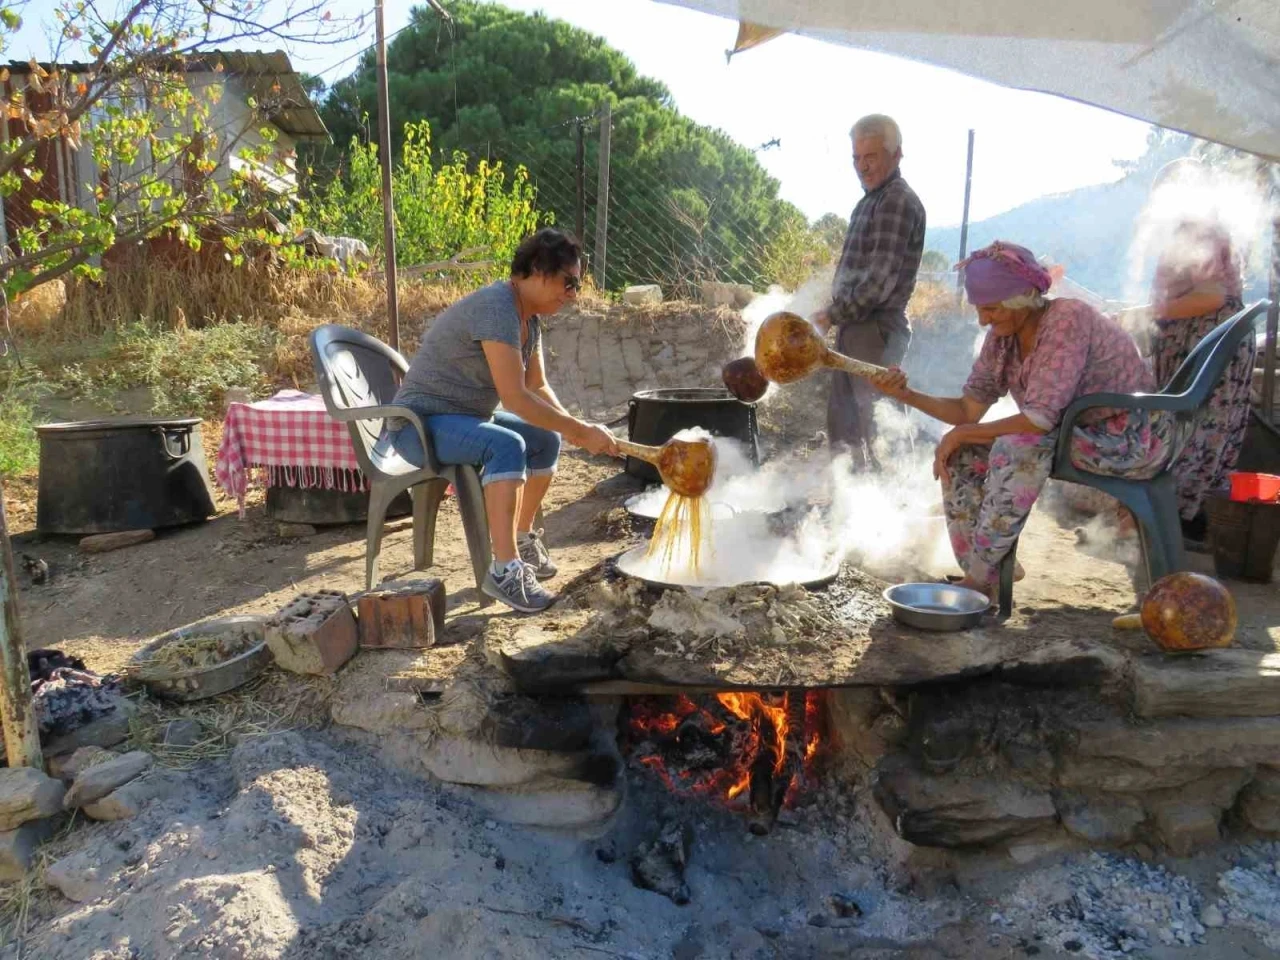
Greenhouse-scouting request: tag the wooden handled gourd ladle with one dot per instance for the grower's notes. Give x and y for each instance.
(788, 348)
(686, 466)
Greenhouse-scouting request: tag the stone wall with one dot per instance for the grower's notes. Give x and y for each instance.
(599, 354)
(1163, 751)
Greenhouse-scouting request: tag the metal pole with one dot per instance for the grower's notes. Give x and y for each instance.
(21, 731)
(964, 221)
(388, 206)
(602, 194)
(581, 170)
(1273, 321)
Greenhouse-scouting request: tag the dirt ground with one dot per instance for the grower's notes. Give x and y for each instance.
(303, 843)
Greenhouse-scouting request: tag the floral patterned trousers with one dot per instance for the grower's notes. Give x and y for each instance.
(1213, 449)
(992, 489)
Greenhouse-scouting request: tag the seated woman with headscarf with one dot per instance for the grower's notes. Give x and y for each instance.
(1046, 353)
(1197, 287)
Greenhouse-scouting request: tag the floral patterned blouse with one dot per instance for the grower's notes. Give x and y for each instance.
(1077, 351)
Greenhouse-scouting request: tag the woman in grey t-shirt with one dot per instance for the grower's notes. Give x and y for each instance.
(484, 350)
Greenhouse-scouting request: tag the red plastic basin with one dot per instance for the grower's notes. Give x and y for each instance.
(1254, 486)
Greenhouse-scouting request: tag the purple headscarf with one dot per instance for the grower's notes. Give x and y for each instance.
(1001, 271)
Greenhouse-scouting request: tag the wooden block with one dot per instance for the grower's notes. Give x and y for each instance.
(106, 542)
(313, 633)
(403, 615)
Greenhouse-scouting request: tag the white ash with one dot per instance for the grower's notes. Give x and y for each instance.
(1108, 907)
(1251, 893)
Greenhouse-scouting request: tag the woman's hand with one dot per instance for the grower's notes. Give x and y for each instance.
(822, 320)
(596, 440)
(951, 441)
(893, 383)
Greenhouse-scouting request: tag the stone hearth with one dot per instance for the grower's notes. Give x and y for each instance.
(1013, 735)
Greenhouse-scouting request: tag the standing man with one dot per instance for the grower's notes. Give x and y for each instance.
(873, 282)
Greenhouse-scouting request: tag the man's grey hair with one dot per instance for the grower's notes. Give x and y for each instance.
(879, 125)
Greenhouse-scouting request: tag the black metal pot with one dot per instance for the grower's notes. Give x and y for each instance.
(103, 476)
(655, 416)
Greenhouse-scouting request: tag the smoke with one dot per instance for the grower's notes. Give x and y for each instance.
(795, 518)
(808, 299)
(1187, 197)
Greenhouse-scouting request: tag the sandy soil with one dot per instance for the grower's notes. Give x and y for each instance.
(303, 843)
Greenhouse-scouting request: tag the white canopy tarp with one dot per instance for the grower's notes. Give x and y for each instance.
(1206, 67)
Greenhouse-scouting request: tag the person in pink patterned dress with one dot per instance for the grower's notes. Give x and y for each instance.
(1197, 287)
(1045, 353)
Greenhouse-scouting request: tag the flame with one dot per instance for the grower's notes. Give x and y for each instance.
(711, 748)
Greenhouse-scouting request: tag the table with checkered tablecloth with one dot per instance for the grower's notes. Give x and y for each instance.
(291, 439)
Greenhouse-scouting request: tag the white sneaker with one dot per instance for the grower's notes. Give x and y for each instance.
(533, 551)
(518, 588)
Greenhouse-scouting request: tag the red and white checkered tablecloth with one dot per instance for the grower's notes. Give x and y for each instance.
(292, 439)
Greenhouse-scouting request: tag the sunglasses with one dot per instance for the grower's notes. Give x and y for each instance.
(572, 283)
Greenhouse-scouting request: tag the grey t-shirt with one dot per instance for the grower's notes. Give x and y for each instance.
(449, 373)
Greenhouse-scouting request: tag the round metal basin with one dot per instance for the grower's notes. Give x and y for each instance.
(936, 606)
(633, 564)
(648, 507)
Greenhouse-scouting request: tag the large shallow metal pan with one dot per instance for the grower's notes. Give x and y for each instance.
(632, 561)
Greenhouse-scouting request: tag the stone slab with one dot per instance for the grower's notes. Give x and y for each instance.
(1210, 743)
(1260, 801)
(958, 811)
(1104, 818)
(127, 801)
(1216, 683)
(95, 782)
(28, 794)
(106, 542)
(69, 766)
(18, 847)
(1121, 776)
(643, 293)
(862, 645)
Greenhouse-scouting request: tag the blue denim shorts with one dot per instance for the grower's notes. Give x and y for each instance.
(504, 447)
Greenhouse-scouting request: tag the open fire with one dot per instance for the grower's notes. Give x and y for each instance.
(751, 751)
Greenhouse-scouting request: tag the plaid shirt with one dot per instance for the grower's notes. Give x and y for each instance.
(882, 248)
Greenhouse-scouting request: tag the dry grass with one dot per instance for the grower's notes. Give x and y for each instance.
(23, 899)
(271, 703)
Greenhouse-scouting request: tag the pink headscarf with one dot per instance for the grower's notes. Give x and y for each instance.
(1001, 271)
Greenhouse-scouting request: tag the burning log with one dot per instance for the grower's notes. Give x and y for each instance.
(779, 764)
(748, 750)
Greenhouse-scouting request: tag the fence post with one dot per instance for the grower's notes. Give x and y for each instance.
(1273, 322)
(964, 222)
(388, 204)
(17, 716)
(602, 195)
(580, 169)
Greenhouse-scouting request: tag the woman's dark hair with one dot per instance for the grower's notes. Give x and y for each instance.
(548, 251)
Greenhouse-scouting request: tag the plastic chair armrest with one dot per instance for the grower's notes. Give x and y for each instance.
(1176, 403)
(384, 412)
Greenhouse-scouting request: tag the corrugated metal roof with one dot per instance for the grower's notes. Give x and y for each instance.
(271, 80)
(267, 77)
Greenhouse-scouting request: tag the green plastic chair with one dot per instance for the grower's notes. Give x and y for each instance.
(1154, 501)
(358, 380)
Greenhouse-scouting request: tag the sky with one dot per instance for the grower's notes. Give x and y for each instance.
(807, 94)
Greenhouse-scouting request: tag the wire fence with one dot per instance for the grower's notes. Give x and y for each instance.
(676, 223)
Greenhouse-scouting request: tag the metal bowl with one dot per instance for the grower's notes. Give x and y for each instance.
(936, 606)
